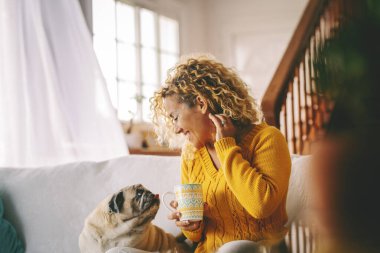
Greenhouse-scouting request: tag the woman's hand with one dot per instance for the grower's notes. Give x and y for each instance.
(184, 225)
(223, 125)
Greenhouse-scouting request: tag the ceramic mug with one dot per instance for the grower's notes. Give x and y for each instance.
(190, 201)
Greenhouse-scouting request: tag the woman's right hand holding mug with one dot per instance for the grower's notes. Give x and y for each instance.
(186, 225)
(187, 207)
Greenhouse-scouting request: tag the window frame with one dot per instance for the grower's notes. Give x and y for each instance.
(158, 10)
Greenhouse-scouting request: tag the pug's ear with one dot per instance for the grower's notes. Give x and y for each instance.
(116, 203)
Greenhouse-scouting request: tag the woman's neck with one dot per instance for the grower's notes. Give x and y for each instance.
(210, 146)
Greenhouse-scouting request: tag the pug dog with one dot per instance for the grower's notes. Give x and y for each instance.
(124, 219)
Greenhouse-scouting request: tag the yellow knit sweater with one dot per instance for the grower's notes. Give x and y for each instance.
(246, 197)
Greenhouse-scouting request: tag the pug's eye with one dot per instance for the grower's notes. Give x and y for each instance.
(139, 193)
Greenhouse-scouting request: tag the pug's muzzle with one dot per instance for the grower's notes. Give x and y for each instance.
(146, 199)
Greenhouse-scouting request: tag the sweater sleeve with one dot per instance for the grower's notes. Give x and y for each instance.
(259, 186)
(195, 235)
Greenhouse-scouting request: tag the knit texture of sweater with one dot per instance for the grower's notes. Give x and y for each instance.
(246, 197)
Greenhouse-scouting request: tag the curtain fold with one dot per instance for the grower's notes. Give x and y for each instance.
(54, 105)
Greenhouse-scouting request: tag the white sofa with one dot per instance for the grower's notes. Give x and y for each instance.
(48, 206)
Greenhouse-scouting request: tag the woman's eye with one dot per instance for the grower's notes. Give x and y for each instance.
(175, 118)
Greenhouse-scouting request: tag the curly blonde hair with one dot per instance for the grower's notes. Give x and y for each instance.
(225, 93)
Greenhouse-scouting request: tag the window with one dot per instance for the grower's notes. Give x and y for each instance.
(135, 47)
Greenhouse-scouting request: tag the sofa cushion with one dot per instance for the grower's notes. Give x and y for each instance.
(297, 202)
(9, 241)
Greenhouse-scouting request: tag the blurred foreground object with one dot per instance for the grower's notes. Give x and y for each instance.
(346, 163)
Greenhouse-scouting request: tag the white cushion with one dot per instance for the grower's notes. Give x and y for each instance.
(48, 206)
(297, 201)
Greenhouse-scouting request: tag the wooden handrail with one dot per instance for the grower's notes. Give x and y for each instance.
(276, 91)
(293, 101)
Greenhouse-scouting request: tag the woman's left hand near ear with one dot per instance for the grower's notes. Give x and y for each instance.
(223, 125)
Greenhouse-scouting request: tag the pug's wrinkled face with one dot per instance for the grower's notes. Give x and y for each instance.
(134, 201)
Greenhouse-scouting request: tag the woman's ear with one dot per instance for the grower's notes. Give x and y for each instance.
(202, 104)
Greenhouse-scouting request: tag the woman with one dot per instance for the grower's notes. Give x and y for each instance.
(242, 163)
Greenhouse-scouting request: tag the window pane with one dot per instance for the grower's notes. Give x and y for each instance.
(127, 106)
(149, 66)
(148, 91)
(148, 30)
(103, 18)
(126, 62)
(106, 53)
(167, 61)
(169, 35)
(147, 114)
(125, 22)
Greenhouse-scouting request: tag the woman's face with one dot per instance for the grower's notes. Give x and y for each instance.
(193, 122)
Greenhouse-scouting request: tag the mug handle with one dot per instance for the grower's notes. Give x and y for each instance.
(170, 208)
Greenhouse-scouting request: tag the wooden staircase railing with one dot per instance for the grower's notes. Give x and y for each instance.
(293, 102)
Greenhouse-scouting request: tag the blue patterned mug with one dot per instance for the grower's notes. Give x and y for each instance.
(190, 201)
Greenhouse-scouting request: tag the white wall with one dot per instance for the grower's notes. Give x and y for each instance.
(250, 35)
(193, 27)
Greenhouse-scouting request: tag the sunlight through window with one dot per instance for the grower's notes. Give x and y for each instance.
(135, 47)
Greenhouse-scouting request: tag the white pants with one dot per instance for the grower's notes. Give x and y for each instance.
(242, 246)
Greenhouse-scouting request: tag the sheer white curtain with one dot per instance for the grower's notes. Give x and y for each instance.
(54, 106)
